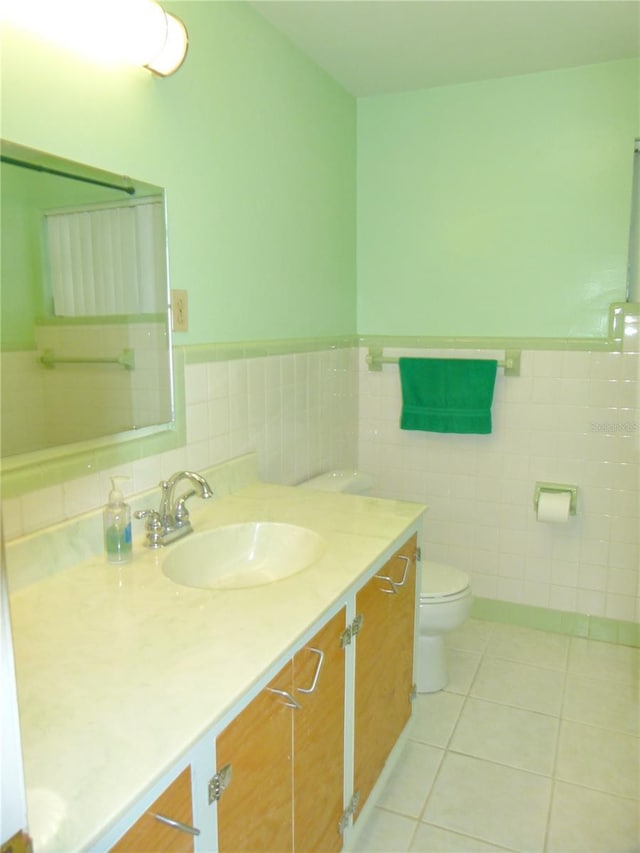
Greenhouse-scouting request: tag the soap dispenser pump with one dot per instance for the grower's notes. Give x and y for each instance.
(117, 525)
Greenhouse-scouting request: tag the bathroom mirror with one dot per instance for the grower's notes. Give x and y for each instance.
(85, 335)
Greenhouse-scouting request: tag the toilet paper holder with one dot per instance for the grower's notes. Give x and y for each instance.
(556, 487)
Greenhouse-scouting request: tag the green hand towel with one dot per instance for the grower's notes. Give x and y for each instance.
(447, 394)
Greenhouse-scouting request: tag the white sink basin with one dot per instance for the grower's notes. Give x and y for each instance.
(242, 555)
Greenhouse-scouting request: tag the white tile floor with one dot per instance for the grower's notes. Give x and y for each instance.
(533, 746)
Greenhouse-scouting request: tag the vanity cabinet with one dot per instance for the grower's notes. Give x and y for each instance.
(204, 681)
(254, 809)
(150, 835)
(318, 728)
(286, 748)
(384, 665)
(293, 768)
(286, 754)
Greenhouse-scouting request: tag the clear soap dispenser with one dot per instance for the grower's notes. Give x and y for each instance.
(117, 525)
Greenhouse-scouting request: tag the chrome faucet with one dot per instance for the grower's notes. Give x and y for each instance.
(172, 521)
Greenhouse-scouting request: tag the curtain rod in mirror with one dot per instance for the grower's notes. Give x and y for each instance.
(37, 167)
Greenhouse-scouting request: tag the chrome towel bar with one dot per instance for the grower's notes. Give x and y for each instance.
(126, 359)
(511, 361)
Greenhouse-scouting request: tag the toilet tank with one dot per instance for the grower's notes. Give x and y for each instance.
(345, 480)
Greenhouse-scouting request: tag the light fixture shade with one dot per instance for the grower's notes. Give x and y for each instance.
(174, 49)
(107, 31)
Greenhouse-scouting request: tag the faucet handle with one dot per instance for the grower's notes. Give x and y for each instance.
(181, 514)
(153, 526)
(151, 514)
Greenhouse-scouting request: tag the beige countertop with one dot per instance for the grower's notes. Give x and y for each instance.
(120, 671)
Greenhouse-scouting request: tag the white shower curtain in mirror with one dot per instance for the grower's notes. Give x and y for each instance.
(108, 260)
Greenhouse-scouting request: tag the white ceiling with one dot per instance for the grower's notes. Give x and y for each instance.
(379, 46)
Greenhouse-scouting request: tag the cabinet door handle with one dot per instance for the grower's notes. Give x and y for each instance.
(176, 824)
(291, 702)
(317, 673)
(395, 585)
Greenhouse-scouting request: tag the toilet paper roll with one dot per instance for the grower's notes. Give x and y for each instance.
(554, 507)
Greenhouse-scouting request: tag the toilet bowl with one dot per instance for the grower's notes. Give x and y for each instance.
(445, 602)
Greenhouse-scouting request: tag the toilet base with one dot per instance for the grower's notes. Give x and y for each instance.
(433, 673)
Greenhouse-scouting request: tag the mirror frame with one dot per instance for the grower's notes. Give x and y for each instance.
(29, 472)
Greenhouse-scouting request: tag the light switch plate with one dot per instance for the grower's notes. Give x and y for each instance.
(179, 311)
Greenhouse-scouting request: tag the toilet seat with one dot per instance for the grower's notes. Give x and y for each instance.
(442, 582)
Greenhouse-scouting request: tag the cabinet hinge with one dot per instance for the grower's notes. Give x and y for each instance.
(346, 814)
(418, 554)
(413, 693)
(219, 783)
(351, 630)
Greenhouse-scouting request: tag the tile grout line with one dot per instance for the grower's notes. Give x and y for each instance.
(554, 766)
(447, 748)
(465, 693)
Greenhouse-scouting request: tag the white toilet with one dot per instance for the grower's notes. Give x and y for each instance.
(445, 602)
(445, 596)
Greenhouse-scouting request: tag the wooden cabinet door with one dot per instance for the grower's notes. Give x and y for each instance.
(318, 726)
(384, 665)
(255, 810)
(149, 835)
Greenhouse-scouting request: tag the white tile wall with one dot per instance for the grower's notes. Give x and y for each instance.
(299, 412)
(23, 420)
(570, 417)
(47, 407)
(81, 401)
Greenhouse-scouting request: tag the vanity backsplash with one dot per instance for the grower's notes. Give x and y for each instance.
(36, 556)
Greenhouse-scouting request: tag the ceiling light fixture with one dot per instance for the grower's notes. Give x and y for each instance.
(172, 53)
(107, 31)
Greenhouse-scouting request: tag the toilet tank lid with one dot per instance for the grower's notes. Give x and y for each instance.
(343, 480)
(442, 579)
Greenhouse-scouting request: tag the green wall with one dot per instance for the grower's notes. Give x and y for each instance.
(256, 148)
(498, 208)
